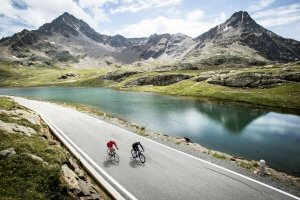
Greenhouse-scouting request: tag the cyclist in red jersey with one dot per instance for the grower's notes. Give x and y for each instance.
(110, 144)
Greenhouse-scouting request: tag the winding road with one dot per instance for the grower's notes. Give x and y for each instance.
(167, 173)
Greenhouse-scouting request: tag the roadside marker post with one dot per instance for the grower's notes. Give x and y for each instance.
(262, 167)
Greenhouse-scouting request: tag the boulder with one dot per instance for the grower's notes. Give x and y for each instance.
(66, 76)
(37, 158)
(7, 153)
(187, 139)
(15, 128)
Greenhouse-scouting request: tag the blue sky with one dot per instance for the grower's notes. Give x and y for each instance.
(138, 18)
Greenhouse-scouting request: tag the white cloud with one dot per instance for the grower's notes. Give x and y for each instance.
(94, 3)
(278, 16)
(187, 25)
(139, 5)
(39, 12)
(261, 4)
(195, 15)
(172, 12)
(95, 8)
(269, 22)
(279, 11)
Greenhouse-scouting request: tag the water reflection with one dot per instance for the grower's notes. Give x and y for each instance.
(234, 119)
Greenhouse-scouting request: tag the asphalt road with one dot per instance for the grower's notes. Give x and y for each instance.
(167, 173)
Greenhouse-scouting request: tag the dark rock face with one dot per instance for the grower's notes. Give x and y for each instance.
(242, 29)
(293, 76)
(118, 41)
(24, 38)
(178, 66)
(68, 25)
(231, 60)
(159, 80)
(156, 45)
(253, 79)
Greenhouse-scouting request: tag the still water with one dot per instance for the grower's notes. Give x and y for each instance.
(234, 129)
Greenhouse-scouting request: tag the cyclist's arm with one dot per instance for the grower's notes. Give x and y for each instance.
(115, 145)
(141, 146)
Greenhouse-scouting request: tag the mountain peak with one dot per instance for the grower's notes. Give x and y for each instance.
(65, 24)
(241, 14)
(67, 16)
(240, 18)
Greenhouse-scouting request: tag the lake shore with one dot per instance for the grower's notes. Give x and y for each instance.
(250, 168)
(275, 87)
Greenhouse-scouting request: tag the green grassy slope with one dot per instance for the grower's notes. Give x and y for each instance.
(284, 95)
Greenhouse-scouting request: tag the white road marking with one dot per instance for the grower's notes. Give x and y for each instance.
(131, 196)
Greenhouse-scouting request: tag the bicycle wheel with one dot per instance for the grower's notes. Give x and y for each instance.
(142, 158)
(133, 153)
(116, 158)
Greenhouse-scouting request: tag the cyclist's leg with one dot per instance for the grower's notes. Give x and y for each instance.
(134, 147)
(111, 151)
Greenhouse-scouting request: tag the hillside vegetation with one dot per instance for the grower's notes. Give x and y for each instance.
(33, 164)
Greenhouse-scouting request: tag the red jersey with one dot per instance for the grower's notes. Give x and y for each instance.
(110, 144)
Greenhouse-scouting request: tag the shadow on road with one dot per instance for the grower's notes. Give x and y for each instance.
(135, 163)
(109, 163)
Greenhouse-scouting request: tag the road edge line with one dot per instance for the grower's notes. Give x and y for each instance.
(74, 149)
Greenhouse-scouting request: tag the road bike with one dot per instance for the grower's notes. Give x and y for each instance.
(113, 155)
(138, 154)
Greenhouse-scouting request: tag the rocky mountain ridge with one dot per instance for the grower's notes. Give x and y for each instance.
(238, 41)
(242, 30)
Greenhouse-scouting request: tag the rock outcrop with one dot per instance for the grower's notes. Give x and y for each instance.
(118, 76)
(253, 79)
(32, 117)
(78, 186)
(159, 80)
